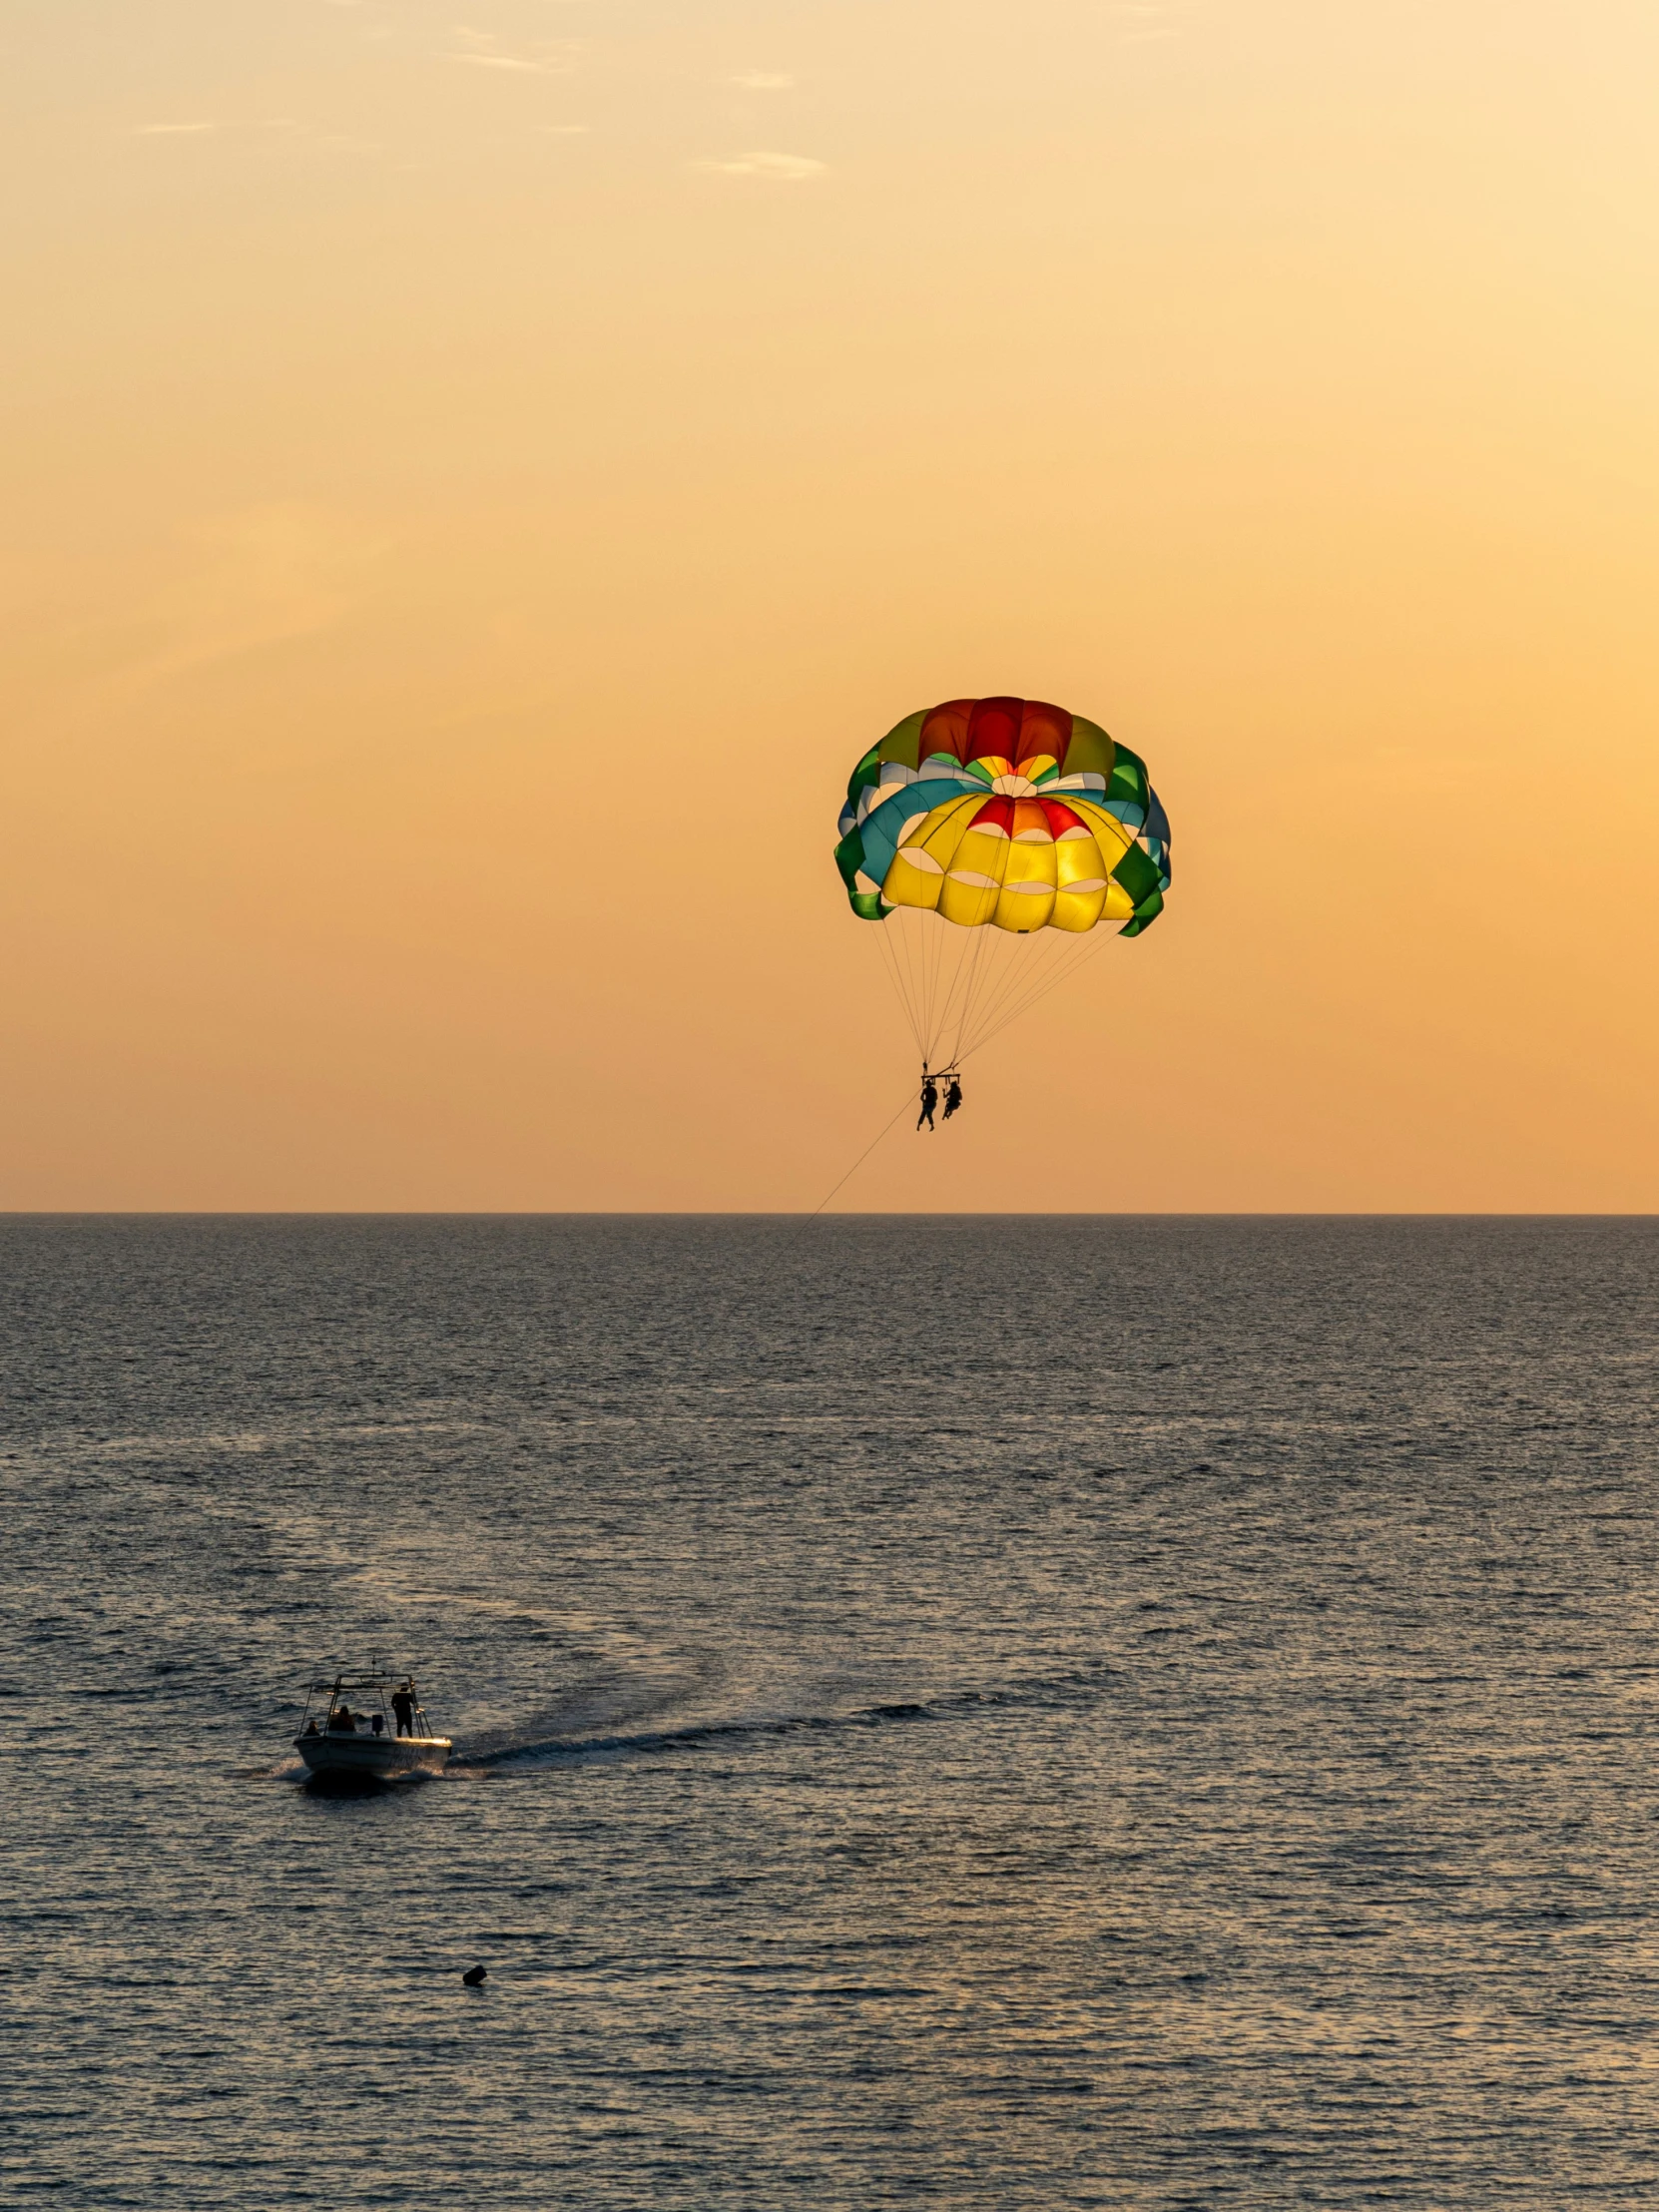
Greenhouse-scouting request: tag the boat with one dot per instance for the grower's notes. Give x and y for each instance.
(371, 1727)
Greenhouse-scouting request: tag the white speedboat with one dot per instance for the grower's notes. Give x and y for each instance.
(372, 1726)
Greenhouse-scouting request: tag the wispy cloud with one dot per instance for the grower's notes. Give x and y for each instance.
(764, 80)
(503, 61)
(203, 129)
(783, 168)
(483, 49)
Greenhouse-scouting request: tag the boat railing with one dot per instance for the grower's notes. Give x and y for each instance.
(325, 1698)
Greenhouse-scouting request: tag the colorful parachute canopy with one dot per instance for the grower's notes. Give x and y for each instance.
(1001, 810)
(1005, 811)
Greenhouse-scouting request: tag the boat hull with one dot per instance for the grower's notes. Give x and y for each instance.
(374, 1758)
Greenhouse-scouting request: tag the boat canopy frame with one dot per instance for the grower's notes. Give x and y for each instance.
(381, 1687)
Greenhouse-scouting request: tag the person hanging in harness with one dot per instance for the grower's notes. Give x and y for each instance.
(930, 1099)
(952, 1095)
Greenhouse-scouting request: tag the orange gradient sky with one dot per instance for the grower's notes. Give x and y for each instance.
(476, 476)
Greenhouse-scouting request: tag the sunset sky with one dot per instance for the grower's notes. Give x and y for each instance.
(477, 474)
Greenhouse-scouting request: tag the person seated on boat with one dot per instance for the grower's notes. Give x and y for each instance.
(311, 1726)
(402, 1706)
(343, 1718)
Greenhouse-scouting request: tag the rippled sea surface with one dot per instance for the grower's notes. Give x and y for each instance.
(1002, 1711)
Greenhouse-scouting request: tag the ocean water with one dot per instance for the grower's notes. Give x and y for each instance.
(986, 1712)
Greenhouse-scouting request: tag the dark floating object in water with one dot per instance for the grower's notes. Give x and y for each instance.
(473, 1977)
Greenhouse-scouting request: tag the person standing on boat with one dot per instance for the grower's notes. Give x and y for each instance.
(402, 1706)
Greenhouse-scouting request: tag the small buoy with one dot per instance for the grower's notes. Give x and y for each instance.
(473, 1977)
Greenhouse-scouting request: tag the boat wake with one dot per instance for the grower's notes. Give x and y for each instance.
(530, 1750)
(618, 1714)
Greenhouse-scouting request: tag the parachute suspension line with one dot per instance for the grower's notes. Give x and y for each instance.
(958, 986)
(968, 978)
(915, 992)
(990, 960)
(937, 959)
(915, 967)
(889, 963)
(918, 949)
(946, 971)
(951, 1011)
(932, 960)
(975, 956)
(1015, 987)
(917, 954)
(1022, 983)
(956, 983)
(1010, 972)
(1059, 972)
(930, 954)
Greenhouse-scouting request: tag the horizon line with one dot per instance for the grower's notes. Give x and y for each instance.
(643, 1213)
